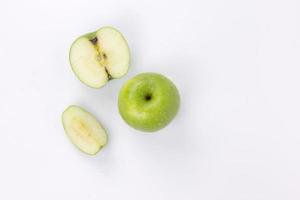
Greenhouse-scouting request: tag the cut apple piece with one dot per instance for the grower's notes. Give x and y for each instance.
(100, 56)
(83, 129)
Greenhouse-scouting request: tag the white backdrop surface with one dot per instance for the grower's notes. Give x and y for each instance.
(235, 63)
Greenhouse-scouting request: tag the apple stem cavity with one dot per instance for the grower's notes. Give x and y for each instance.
(94, 41)
(148, 97)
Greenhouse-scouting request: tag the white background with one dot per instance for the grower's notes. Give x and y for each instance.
(237, 135)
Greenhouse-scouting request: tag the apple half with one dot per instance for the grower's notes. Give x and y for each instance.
(100, 56)
(83, 129)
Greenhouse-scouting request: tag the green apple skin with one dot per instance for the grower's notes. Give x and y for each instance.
(148, 102)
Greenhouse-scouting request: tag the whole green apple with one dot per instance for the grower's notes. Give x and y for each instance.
(148, 102)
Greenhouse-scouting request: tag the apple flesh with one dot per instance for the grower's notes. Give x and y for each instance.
(83, 129)
(100, 56)
(148, 102)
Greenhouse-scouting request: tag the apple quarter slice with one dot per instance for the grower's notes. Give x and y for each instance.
(83, 129)
(100, 56)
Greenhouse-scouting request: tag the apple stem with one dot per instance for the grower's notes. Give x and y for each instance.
(94, 40)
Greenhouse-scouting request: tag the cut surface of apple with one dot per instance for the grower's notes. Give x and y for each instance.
(83, 129)
(100, 56)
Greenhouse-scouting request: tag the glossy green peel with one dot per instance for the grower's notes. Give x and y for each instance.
(148, 102)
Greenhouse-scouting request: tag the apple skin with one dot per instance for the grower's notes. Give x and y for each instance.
(148, 102)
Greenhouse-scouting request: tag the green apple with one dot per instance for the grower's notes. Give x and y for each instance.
(100, 56)
(83, 129)
(148, 102)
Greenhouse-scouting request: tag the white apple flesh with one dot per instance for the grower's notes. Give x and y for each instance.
(83, 129)
(100, 56)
